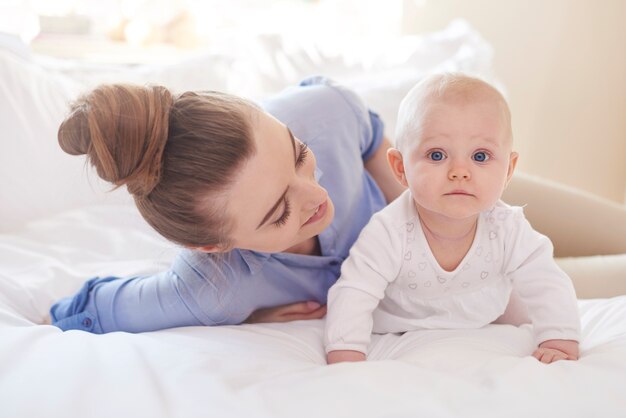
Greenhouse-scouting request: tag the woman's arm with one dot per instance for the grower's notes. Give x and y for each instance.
(379, 169)
(135, 304)
(285, 313)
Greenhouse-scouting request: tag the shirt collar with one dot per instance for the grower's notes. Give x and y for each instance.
(254, 260)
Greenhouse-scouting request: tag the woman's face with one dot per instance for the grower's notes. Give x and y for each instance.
(275, 202)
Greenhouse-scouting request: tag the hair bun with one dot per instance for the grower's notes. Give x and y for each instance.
(123, 130)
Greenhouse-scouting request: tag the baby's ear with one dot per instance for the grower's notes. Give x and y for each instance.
(512, 163)
(394, 158)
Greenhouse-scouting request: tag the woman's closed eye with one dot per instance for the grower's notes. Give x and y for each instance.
(303, 152)
(284, 217)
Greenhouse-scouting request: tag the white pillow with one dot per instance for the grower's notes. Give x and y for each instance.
(403, 64)
(381, 75)
(36, 176)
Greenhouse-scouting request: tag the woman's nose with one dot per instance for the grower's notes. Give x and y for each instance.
(311, 193)
(314, 195)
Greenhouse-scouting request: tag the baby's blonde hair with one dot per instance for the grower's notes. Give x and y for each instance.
(443, 86)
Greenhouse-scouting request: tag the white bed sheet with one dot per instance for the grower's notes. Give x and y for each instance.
(267, 370)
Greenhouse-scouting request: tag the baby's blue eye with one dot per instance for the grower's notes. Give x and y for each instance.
(481, 157)
(436, 156)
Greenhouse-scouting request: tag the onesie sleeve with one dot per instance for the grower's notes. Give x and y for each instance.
(372, 264)
(182, 296)
(545, 289)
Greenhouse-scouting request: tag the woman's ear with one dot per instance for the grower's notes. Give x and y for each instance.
(210, 249)
(394, 158)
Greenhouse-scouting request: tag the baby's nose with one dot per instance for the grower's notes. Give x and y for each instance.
(459, 172)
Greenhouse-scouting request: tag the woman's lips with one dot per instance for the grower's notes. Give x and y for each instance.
(319, 213)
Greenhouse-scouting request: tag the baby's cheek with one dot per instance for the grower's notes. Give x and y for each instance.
(422, 185)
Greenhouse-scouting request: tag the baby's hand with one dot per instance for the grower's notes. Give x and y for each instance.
(554, 350)
(338, 356)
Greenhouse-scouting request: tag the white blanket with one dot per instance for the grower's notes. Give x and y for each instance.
(269, 370)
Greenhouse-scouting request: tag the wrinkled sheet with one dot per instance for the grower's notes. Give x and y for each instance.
(267, 370)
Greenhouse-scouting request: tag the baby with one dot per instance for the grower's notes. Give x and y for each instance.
(448, 253)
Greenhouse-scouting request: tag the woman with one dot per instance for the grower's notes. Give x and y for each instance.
(266, 201)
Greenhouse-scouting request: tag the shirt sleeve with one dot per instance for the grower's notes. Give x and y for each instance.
(180, 297)
(372, 264)
(545, 289)
(370, 126)
(378, 130)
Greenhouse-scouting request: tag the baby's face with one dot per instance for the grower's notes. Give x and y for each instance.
(460, 162)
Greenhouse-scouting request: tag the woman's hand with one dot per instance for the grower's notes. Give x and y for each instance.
(285, 313)
(554, 350)
(338, 356)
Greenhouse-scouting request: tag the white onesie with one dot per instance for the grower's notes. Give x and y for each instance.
(391, 281)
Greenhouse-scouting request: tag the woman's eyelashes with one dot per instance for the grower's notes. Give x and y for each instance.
(303, 152)
(285, 216)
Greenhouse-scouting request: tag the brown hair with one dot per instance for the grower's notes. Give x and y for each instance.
(175, 154)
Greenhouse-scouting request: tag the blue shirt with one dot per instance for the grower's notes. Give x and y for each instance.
(204, 289)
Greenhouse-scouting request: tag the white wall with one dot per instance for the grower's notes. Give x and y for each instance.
(563, 63)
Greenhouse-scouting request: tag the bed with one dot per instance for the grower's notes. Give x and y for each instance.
(59, 227)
